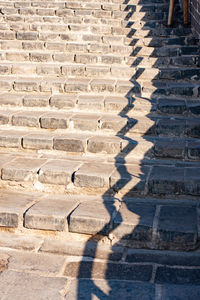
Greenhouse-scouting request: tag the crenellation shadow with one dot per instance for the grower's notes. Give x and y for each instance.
(137, 235)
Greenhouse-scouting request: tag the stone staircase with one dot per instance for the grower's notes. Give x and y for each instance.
(99, 129)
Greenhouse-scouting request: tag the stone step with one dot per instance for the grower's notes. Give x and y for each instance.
(125, 148)
(45, 173)
(100, 71)
(73, 121)
(153, 226)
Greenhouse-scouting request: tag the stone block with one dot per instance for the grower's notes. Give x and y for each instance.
(58, 171)
(166, 180)
(5, 116)
(40, 287)
(89, 122)
(27, 118)
(101, 270)
(104, 144)
(55, 120)
(134, 222)
(171, 106)
(71, 142)
(80, 85)
(116, 104)
(193, 128)
(12, 206)
(172, 128)
(40, 57)
(22, 169)
(180, 292)
(11, 138)
(114, 123)
(26, 85)
(129, 179)
(16, 241)
(63, 101)
(38, 141)
(192, 183)
(85, 219)
(88, 102)
(50, 213)
(170, 147)
(73, 70)
(94, 175)
(27, 35)
(177, 228)
(36, 101)
(102, 85)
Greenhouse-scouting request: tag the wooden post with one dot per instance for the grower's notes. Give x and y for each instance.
(185, 12)
(171, 12)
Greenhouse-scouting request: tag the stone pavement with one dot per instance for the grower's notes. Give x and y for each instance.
(99, 151)
(28, 274)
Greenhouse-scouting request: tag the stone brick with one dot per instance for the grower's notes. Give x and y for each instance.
(48, 70)
(48, 287)
(24, 69)
(55, 120)
(85, 220)
(177, 227)
(169, 291)
(170, 147)
(87, 122)
(44, 264)
(20, 242)
(191, 178)
(26, 35)
(27, 118)
(88, 102)
(38, 141)
(130, 179)
(134, 222)
(63, 57)
(116, 104)
(115, 123)
(166, 180)
(71, 142)
(22, 169)
(103, 144)
(36, 101)
(80, 85)
(40, 57)
(58, 171)
(174, 127)
(86, 59)
(7, 35)
(6, 84)
(101, 85)
(73, 70)
(11, 138)
(93, 175)
(25, 85)
(17, 56)
(50, 213)
(12, 206)
(5, 116)
(97, 70)
(53, 85)
(100, 270)
(89, 249)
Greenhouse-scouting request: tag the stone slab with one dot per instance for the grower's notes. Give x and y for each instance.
(180, 292)
(104, 144)
(22, 169)
(71, 142)
(85, 218)
(50, 213)
(17, 241)
(12, 205)
(109, 270)
(93, 175)
(30, 286)
(38, 141)
(110, 289)
(58, 171)
(134, 222)
(177, 227)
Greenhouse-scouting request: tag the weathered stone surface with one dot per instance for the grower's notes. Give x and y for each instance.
(4, 260)
(93, 175)
(11, 138)
(175, 275)
(166, 180)
(55, 120)
(90, 102)
(71, 142)
(12, 205)
(63, 101)
(88, 122)
(22, 169)
(40, 287)
(177, 227)
(21, 242)
(180, 292)
(35, 101)
(103, 144)
(88, 248)
(27, 118)
(192, 184)
(129, 179)
(134, 222)
(111, 289)
(32, 262)
(58, 171)
(50, 213)
(38, 141)
(100, 270)
(85, 220)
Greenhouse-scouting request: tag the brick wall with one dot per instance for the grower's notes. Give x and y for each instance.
(195, 16)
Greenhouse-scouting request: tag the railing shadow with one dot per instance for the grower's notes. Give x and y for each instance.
(92, 291)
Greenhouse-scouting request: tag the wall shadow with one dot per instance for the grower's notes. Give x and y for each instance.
(91, 291)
